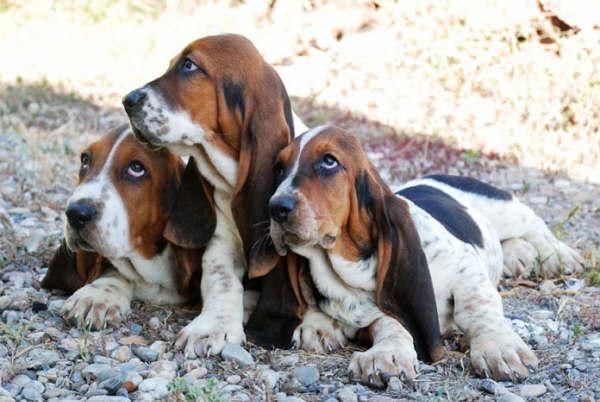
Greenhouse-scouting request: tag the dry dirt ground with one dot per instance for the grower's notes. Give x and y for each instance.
(496, 90)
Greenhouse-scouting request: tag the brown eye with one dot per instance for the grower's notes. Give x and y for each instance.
(136, 169)
(85, 160)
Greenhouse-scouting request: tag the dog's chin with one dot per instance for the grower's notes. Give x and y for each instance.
(145, 138)
(76, 243)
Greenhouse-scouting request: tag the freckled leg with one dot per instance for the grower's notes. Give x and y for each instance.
(318, 333)
(221, 319)
(105, 301)
(496, 350)
(392, 354)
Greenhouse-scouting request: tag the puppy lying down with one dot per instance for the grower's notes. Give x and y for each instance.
(136, 228)
(395, 268)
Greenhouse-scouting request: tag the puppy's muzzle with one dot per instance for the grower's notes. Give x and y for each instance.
(79, 214)
(133, 101)
(280, 208)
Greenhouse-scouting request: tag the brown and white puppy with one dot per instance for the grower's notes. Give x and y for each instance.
(403, 265)
(221, 103)
(136, 227)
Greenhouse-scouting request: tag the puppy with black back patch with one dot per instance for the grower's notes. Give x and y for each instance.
(220, 102)
(136, 227)
(400, 267)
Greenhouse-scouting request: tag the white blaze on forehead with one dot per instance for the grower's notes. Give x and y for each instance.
(109, 234)
(286, 185)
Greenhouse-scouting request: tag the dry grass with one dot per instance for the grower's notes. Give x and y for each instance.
(494, 76)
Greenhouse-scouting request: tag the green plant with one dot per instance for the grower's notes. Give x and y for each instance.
(558, 229)
(180, 390)
(83, 343)
(577, 329)
(470, 155)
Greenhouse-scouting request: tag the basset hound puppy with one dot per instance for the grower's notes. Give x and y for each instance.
(399, 268)
(220, 102)
(136, 227)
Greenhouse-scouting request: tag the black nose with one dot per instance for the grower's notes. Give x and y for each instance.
(134, 99)
(280, 208)
(80, 214)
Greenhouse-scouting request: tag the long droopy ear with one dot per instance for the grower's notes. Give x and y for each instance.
(69, 270)
(192, 219)
(404, 287)
(266, 129)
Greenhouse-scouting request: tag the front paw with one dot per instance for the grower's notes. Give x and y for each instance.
(318, 333)
(207, 334)
(96, 306)
(502, 355)
(389, 357)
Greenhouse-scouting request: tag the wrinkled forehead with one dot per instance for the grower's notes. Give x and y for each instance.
(321, 140)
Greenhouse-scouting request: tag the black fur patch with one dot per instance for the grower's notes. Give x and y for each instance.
(471, 185)
(363, 191)
(446, 210)
(234, 96)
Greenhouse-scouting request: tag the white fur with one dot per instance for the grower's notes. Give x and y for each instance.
(318, 333)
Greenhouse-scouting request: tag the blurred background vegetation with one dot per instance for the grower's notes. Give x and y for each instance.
(515, 78)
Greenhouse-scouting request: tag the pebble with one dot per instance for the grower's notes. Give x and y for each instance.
(122, 353)
(159, 347)
(270, 378)
(41, 357)
(5, 302)
(31, 394)
(306, 375)
(394, 384)
(11, 317)
(154, 322)
(136, 328)
(233, 379)
(153, 384)
(346, 394)
(198, 373)
(237, 354)
(144, 353)
(532, 390)
(113, 383)
(91, 371)
(106, 398)
(510, 397)
(163, 368)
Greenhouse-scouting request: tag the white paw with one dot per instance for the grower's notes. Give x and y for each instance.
(389, 357)
(520, 257)
(208, 333)
(318, 333)
(501, 355)
(96, 306)
(558, 259)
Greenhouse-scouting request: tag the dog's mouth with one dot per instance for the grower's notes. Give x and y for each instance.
(76, 242)
(145, 139)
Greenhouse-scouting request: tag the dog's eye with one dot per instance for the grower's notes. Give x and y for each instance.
(329, 162)
(85, 160)
(189, 66)
(136, 169)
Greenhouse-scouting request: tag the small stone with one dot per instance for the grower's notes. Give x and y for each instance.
(198, 373)
(287, 361)
(532, 390)
(306, 375)
(133, 340)
(539, 342)
(42, 357)
(92, 371)
(510, 397)
(136, 328)
(106, 398)
(163, 368)
(237, 354)
(488, 386)
(112, 384)
(5, 302)
(542, 314)
(394, 384)
(122, 354)
(233, 379)
(591, 343)
(153, 384)
(103, 359)
(56, 305)
(11, 317)
(159, 347)
(144, 353)
(31, 394)
(547, 287)
(346, 394)
(154, 323)
(270, 378)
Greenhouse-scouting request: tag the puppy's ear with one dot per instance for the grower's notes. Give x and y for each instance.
(189, 272)
(266, 127)
(69, 270)
(404, 288)
(192, 218)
